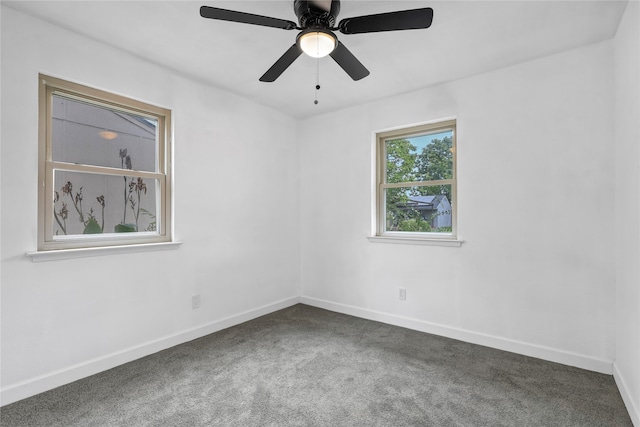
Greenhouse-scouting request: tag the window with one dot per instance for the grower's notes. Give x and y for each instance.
(104, 168)
(416, 182)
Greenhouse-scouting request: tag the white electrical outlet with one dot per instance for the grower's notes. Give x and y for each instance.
(195, 301)
(402, 294)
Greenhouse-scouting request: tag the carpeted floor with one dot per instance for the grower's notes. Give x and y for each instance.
(304, 366)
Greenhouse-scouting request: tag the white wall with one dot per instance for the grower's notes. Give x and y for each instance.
(236, 212)
(537, 136)
(627, 185)
(536, 275)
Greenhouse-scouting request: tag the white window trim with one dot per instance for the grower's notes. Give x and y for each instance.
(54, 255)
(378, 234)
(420, 240)
(93, 245)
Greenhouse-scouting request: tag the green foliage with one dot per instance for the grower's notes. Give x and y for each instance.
(414, 224)
(401, 161)
(436, 162)
(125, 228)
(405, 164)
(92, 227)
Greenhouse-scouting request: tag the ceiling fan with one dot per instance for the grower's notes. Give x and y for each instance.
(316, 20)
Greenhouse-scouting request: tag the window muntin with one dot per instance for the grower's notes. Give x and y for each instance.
(416, 189)
(104, 168)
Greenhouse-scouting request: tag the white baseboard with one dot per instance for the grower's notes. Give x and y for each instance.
(33, 386)
(632, 408)
(527, 349)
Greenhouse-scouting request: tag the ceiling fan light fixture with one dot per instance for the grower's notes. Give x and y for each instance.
(317, 44)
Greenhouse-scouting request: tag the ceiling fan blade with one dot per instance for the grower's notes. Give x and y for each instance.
(392, 21)
(348, 62)
(282, 64)
(245, 18)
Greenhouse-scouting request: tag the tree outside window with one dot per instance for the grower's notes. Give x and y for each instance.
(416, 188)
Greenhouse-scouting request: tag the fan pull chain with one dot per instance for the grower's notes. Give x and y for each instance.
(317, 80)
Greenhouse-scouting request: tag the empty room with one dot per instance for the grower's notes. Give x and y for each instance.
(320, 213)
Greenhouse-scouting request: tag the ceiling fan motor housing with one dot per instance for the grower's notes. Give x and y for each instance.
(312, 14)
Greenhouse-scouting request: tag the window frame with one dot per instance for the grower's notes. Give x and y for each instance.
(50, 86)
(380, 232)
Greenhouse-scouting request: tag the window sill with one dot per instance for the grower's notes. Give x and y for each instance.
(40, 256)
(416, 241)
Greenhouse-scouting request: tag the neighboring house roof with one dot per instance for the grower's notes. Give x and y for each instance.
(425, 202)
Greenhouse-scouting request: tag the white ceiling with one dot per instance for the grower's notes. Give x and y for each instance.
(466, 38)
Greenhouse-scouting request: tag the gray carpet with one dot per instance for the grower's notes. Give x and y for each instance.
(304, 366)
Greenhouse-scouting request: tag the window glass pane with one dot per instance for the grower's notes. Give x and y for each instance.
(90, 134)
(87, 203)
(419, 209)
(426, 157)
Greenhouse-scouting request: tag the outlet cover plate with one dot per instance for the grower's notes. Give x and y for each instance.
(195, 301)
